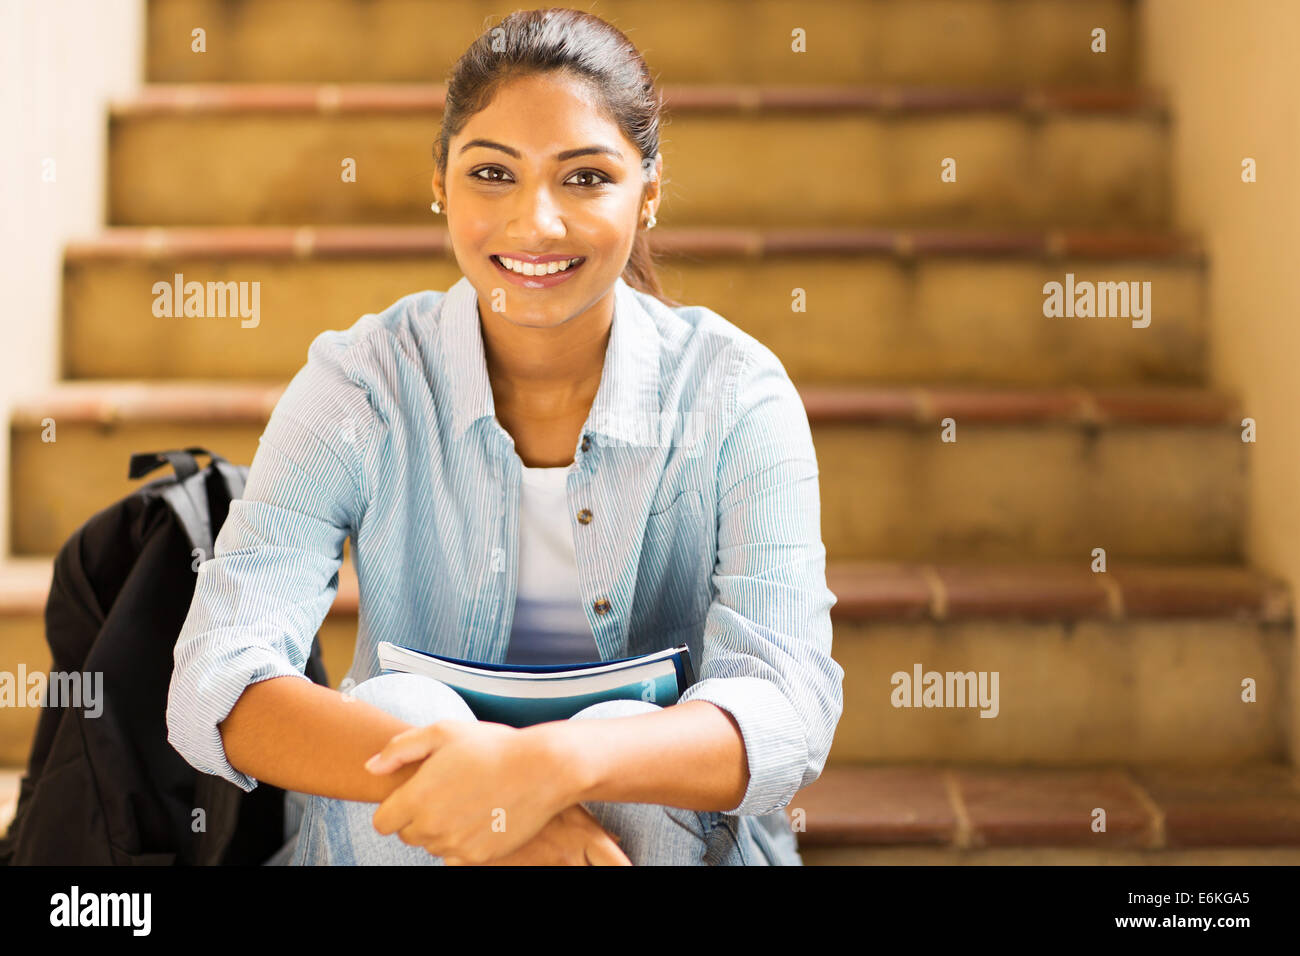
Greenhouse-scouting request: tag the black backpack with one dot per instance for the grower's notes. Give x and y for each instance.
(110, 789)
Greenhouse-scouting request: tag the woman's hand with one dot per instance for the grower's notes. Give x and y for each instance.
(482, 791)
(573, 837)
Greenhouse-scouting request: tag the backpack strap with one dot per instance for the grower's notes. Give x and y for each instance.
(233, 475)
(187, 496)
(181, 460)
(193, 515)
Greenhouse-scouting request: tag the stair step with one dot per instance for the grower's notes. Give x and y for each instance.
(24, 586)
(868, 592)
(967, 42)
(1075, 652)
(855, 814)
(270, 155)
(959, 814)
(871, 592)
(1146, 473)
(963, 814)
(883, 305)
(1141, 663)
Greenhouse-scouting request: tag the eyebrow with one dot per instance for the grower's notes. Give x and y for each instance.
(561, 157)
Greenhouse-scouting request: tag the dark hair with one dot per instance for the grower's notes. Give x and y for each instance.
(529, 42)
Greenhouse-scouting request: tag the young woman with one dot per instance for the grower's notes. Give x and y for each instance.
(548, 463)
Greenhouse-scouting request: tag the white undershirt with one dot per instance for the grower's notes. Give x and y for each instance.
(550, 625)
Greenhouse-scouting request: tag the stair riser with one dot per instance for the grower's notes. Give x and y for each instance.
(757, 170)
(869, 317)
(971, 41)
(1138, 691)
(1013, 493)
(893, 492)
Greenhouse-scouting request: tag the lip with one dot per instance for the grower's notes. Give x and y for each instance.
(525, 257)
(538, 282)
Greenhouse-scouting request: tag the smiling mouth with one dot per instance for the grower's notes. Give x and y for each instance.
(541, 270)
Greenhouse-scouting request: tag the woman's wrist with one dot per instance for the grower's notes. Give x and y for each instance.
(558, 746)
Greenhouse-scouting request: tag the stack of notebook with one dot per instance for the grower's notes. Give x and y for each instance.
(525, 694)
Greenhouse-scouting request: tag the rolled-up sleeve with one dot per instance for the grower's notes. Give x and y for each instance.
(767, 635)
(260, 600)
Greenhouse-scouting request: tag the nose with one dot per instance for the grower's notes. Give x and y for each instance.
(536, 215)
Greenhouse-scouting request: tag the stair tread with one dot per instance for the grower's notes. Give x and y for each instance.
(907, 591)
(108, 401)
(1054, 591)
(323, 241)
(967, 807)
(333, 98)
(963, 806)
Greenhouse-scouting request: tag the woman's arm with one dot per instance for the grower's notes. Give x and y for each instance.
(688, 755)
(298, 735)
(259, 601)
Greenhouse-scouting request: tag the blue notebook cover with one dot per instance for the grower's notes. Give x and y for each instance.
(524, 694)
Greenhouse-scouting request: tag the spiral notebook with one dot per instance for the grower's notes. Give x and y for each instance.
(524, 694)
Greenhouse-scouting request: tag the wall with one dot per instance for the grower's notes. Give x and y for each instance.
(1232, 74)
(60, 61)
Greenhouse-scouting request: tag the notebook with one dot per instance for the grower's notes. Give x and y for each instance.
(524, 694)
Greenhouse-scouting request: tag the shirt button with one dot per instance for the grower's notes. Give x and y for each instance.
(601, 606)
(586, 442)
(584, 516)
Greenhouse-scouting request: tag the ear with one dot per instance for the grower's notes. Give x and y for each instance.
(652, 176)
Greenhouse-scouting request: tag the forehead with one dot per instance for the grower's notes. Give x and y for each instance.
(541, 115)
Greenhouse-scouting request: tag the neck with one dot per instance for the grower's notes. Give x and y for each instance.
(547, 370)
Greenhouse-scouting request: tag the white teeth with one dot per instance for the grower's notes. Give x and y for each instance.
(529, 269)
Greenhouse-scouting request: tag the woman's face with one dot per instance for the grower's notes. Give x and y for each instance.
(514, 191)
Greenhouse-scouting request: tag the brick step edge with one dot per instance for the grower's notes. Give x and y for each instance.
(908, 592)
(130, 401)
(385, 241)
(182, 99)
(971, 807)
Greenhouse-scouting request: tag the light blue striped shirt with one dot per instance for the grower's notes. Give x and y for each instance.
(696, 464)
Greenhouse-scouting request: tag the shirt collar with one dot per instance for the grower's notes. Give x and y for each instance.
(627, 404)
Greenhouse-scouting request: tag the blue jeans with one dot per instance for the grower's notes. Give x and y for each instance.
(341, 832)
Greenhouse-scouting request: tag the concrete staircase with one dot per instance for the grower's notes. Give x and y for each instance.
(1122, 689)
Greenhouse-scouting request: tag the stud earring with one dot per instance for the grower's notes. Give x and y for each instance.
(436, 206)
(650, 221)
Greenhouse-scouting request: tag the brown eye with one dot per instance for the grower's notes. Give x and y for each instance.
(602, 179)
(487, 169)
